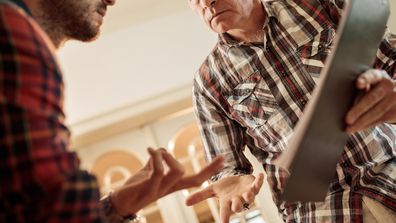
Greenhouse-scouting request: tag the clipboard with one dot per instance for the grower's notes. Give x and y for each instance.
(319, 137)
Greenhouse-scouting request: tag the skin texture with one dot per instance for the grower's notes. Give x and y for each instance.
(378, 103)
(232, 193)
(70, 19)
(242, 19)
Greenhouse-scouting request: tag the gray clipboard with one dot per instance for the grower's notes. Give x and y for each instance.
(319, 137)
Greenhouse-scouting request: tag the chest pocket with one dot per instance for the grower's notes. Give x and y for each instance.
(314, 52)
(252, 101)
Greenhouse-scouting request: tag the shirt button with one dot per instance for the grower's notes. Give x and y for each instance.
(344, 164)
(355, 188)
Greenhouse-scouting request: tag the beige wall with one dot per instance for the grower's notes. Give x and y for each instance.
(392, 19)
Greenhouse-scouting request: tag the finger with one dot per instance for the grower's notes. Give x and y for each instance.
(225, 211)
(370, 77)
(157, 164)
(366, 103)
(257, 183)
(236, 204)
(200, 196)
(175, 168)
(248, 197)
(374, 116)
(197, 179)
(149, 165)
(175, 173)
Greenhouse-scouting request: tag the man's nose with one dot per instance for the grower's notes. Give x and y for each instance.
(208, 3)
(109, 2)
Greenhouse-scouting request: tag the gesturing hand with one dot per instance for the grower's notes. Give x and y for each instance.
(152, 182)
(233, 192)
(377, 105)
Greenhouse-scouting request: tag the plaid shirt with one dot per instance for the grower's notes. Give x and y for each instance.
(252, 94)
(40, 181)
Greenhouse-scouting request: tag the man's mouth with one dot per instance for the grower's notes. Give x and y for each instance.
(217, 14)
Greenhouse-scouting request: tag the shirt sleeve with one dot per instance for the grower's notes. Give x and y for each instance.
(386, 54)
(220, 134)
(40, 180)
(334, 9)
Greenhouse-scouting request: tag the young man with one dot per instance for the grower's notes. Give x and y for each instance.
(40, 180)
(252, 89)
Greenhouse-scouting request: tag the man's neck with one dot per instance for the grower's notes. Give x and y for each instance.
(252, 31)
(53, 31)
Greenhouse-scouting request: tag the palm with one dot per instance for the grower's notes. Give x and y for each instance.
(233, 185)
(153, 182)
(234, 193)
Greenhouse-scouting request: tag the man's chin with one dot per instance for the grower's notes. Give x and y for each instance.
(87, 36)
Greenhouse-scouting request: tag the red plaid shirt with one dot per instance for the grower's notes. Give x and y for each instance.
(40, 181)
(252, 94)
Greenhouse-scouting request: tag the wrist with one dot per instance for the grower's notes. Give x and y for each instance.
(112, 213)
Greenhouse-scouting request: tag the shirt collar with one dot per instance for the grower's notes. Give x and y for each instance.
(22, 5)
(227, 40)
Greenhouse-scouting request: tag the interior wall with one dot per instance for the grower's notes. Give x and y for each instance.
(392, 20)
(132, 64)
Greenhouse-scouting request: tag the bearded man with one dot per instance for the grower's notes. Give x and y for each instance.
(40, 180)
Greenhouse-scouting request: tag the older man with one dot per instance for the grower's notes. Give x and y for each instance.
(40, 180)
(252, 89)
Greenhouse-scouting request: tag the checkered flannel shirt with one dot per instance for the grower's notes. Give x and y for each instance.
(40, 181)
(252, 94)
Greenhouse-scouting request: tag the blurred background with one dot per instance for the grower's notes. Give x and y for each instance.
(131, 89)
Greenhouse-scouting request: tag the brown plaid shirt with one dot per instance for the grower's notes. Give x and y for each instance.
(252, 94)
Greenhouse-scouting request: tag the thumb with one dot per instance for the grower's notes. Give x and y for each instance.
(257, 183)
(200, 196)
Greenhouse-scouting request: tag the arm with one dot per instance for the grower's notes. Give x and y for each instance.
(234, 186)
(44, 181)
(220, 135)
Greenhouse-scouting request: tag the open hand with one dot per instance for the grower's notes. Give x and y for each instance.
(152, 182)
(233, 192)
(377, 105)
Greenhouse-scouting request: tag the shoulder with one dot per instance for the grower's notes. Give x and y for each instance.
(12, 18)
(23, 39)
(26, 58)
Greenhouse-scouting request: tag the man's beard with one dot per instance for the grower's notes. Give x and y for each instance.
(69, 19)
